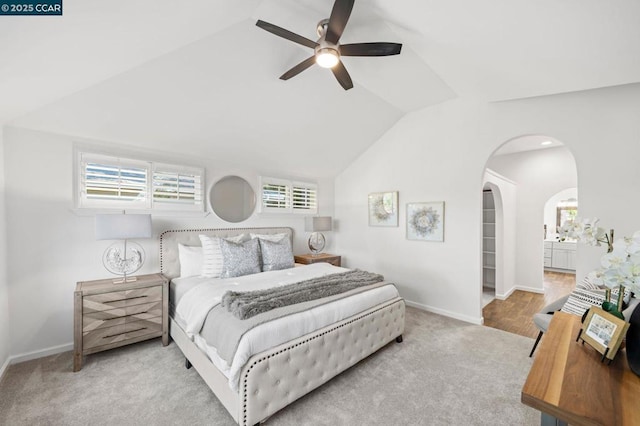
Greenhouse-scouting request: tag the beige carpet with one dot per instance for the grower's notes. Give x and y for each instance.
(446, 372)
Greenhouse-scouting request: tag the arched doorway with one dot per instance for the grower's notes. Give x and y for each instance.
(527, 170)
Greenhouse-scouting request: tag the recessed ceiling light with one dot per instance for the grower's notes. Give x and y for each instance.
(545, 143)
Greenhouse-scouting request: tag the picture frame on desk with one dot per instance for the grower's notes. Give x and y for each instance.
(603, 331)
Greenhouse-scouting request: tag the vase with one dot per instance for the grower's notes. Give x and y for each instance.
(633, 341)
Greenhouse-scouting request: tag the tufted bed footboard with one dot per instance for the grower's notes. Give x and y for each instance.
(275, 378)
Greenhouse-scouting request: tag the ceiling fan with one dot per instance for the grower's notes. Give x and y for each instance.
(327, 50)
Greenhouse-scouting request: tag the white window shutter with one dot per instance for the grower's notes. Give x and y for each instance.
(284, 196)
(109, 182)
(177, 188)
(305, 198)
(113, 182)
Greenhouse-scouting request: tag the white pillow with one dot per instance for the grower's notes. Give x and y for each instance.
(269, 237)
(212, 260)
(190, 260)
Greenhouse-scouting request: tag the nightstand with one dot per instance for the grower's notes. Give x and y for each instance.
(108, 315)
(308, 259)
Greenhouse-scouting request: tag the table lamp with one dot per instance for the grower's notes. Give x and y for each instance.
(316, 225)
(123, 258)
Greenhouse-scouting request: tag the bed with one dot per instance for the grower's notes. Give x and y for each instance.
(277, 375)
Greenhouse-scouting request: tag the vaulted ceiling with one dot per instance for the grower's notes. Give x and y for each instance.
(200, 78)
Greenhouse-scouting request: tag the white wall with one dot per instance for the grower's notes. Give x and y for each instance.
(538, 175)
(4, 289)
(53, 247)
(439, 153)
(551, 212)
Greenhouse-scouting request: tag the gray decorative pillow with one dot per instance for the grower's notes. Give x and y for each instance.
(240, 258)
(276, 254)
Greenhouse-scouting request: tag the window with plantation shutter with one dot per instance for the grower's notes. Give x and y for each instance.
(284, 196)
(304, 198)
(106, 182)
(113, 182)
(177, 188)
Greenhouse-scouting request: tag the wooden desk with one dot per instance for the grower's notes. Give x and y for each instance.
(568, 382)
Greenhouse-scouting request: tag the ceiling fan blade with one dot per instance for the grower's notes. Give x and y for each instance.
(281, 32)
(298, 68)
(342, 76)
(370, 49)
(338, 20)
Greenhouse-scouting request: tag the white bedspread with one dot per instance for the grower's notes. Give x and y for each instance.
(194, 306)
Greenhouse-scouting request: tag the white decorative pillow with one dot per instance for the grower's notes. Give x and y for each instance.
(212, 260)
(580, 300)
(190, 260)
(587, 285)
(269, 237)
(276, 255)
(240, 258)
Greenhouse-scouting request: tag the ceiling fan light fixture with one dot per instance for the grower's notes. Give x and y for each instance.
(327, 57)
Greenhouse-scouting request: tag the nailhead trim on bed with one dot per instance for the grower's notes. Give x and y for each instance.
(388, 308)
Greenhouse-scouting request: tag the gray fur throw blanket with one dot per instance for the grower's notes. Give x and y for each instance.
(246, 304)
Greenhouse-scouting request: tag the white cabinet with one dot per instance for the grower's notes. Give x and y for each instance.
(560, 255)
(571, 260)
(548, 250)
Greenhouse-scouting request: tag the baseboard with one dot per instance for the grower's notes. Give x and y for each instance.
(4, 367)
(465, 318)
(506, 295)
(530, 289)
(14, 359)
(564, 271)
(519, 287)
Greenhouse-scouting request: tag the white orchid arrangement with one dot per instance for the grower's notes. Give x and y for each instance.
(586, 231)
(620, 266)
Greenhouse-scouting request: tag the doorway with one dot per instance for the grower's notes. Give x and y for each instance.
(521, 176)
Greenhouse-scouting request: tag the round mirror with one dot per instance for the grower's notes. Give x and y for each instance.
(232, 199)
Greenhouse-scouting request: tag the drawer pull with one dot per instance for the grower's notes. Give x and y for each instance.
(124, 332)
(133, 315)
(128, 298)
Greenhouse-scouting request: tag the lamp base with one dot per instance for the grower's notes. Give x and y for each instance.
(123, 259)
(316, 243)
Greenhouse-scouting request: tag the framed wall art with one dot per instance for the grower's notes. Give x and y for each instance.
(425, 221)
(383, 209)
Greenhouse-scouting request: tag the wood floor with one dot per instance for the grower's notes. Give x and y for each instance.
(515, 314)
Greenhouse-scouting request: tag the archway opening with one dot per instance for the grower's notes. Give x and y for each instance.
(526, 172)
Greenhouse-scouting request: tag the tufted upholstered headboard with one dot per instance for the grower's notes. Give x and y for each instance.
(169, 240)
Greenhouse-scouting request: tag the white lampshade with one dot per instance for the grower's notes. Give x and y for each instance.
(123, 226)
(317, 224)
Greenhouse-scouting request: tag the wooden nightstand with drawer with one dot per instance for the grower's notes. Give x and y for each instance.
(308, 259)
(108, 315)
